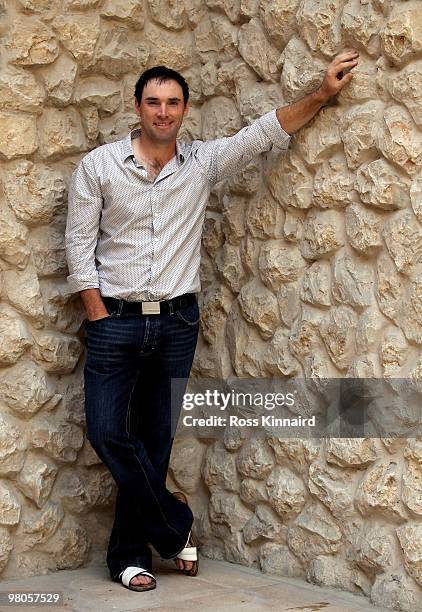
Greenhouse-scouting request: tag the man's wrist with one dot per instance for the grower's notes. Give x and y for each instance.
(320, 96)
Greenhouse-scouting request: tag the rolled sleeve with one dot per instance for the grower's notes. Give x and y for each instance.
(84, 212)
(223, 157)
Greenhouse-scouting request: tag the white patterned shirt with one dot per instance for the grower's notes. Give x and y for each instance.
(140, 240)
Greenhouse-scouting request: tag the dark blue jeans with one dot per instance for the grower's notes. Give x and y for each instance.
(131, 360)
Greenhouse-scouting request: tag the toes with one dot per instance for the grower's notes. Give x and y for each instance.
(137, 580)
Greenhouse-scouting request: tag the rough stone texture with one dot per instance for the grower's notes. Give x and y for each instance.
(311, 268)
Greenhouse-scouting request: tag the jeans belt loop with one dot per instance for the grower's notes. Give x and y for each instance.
(119, 311)
(170, 303)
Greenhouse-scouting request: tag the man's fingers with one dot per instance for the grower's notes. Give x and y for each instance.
(341, 57)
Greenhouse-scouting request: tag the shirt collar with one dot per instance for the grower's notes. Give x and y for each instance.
(127, 150)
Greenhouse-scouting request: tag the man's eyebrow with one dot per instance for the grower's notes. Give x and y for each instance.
(152, 98)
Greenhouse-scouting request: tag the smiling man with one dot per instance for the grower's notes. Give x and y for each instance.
(133, 237)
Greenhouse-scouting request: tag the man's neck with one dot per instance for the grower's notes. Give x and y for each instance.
(162, 152)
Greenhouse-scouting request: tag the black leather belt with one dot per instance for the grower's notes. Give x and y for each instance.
(147, 308)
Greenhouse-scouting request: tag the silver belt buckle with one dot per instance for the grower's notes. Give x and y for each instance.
(150, 308)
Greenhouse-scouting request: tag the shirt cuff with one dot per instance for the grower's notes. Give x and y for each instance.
(272, 128)
(78, 283)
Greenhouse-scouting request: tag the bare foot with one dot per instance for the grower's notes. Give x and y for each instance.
(183, 565)
(137, 580)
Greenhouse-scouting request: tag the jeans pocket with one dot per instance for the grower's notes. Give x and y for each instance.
(189, 316)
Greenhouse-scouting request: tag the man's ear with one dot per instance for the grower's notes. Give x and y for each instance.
(186, 110)
(137, 109)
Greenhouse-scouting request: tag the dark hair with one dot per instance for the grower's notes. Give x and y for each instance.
(161, 74)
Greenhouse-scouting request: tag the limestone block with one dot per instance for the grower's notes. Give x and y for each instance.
(253, 491)
(416, 197)
(255, 459)
(220, 118)
(118, 48)
(390, 288)
(25, 388)
(322, 234)
(245, 345)
(39, 6)
(333, 487)
(185, 465)
(48, 251)
(289, 181)
(410, 537)
(249, 251)
(333, 185)
(412, 486)
(361, 25)
(215, 307)
(90, 121)
(293, 225)
(373, 548)
(304, 337)
(212, 235)
(84, 490)
(79, 34)
(363, 229)
(59, 80)
(378, 492)
(277, 559)
(236, 551)
(286, 492)
(226, 35)
(314, 533)
(233, 438)
(249, 8)
(380, 186)
(87, 456)
(394, 590)
(280, 262)
(368, 330)
(14, 334)
(61, 441)
(13, 239)
(207, 45)
(393, 352)
(233, 220)
(227, 509)
(300, 453)
(22, 290)
(399, 141)
(302, 73)
(278, 359)
(56, 352)
(256, 99)
(38, 526)
(402, 35)
(338, 332)
(6, 547)
(316, 284)
(230, 7)
(288, 302)
(264, 524)
(73, 402)
(35, 193)
(102, 93)
(410, 318)
(81, 4)
(70, 545)
(13, 443)
(219, 469)
(352, 281)
(19, 90)
(37, 477)
(115, 127)
(322, 137)
(31, 42)
(172, 49)
(229, 265)
(335, 572)
(360, 132)
(248, 180)
(406, 86)
(10, 506)
(192, 125)
(318, 22)
(260, 307)
(279, 20)
(403, 236)
(18, 135)
(63, 309)
(132, 12)
(61, 132)
(257, 51)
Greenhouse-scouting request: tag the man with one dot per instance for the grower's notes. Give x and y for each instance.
(136, 209)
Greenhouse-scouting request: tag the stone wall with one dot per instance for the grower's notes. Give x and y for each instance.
(311, 267)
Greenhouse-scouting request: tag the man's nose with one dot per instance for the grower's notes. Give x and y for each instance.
(163, 109)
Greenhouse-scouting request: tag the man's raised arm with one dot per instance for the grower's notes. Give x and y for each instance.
(296, 115)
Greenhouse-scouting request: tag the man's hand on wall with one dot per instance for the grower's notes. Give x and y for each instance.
(338, 73)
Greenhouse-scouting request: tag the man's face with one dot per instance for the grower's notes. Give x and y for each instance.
(161, 110)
